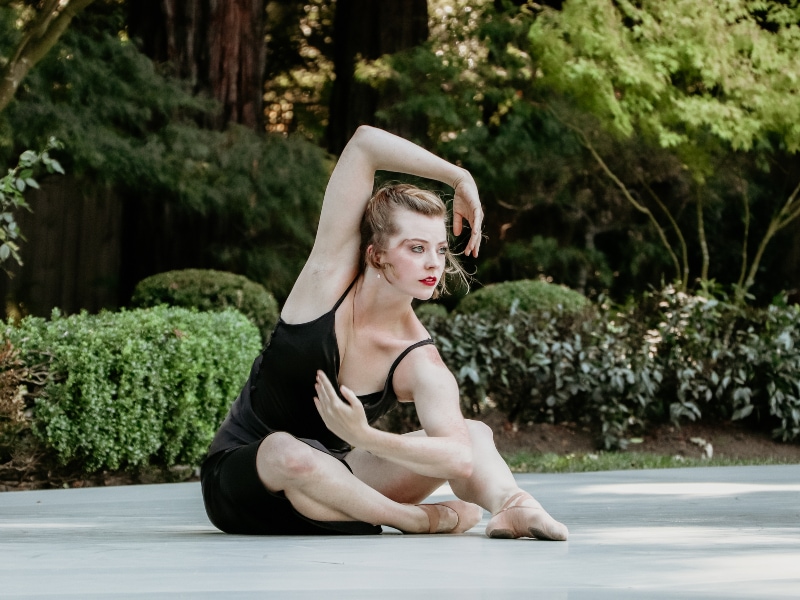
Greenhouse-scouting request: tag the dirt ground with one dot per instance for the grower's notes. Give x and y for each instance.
(692, 440)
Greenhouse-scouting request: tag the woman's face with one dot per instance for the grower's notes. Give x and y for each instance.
(415, 255)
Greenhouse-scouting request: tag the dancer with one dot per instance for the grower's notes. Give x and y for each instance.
(297, 453)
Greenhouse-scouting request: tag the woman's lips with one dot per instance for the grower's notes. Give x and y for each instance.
(431, 281)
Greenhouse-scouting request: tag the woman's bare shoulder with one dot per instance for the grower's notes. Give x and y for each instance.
(422, 372)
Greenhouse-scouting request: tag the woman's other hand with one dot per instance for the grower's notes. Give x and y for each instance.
(347, 418)
(467, 206)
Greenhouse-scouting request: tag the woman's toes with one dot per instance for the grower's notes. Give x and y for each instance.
(545, 527)
(523, 516)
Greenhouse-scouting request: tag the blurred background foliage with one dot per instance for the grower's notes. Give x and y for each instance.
(641, 154)
(618, 146)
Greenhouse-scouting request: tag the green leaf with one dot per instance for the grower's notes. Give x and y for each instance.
(5, 252)
(53, 165)
(742, 412)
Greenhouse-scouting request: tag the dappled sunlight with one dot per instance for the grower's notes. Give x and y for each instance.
(696, 538)
(702, 489)
(747, 567)
(713, 559)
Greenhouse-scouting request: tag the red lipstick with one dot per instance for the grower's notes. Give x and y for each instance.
(431, 281)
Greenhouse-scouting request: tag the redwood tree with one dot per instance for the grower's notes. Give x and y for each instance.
(217, 46)
(367, 29)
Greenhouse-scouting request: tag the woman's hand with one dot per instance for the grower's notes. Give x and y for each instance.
(467, 205)
(346, 419)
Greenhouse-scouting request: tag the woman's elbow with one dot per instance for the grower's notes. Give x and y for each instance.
(362, 130)
(363, 134)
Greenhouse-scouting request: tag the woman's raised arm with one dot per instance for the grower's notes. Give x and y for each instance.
(350, 186)
(334, 258)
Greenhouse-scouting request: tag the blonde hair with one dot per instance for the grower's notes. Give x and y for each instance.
(378, 225)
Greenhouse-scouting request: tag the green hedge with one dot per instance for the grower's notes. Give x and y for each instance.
(130, 388)
(430, 309)
(525, 295)
(724, 361)
(669, 357)
(209, 290)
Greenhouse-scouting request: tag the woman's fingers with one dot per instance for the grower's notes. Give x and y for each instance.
(325, 387)
(344, 417)
(474, 243)
(467, 205)
(458, 224)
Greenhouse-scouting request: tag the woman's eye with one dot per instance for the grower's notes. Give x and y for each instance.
(443, 250)
(417, 249)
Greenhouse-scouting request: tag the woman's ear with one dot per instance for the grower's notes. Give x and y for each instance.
(373, 257)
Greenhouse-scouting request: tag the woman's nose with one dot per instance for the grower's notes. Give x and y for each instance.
(434, 261)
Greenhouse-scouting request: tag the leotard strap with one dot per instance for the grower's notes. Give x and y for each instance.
(403, 354)
(347, 291)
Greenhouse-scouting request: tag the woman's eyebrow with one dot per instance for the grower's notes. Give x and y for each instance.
(443, 242)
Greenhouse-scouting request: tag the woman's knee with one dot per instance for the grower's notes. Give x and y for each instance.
(478, 430)
(281, 457)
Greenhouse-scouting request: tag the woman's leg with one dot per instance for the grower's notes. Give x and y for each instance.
(321, 488)
(515, 513)
(491, 486)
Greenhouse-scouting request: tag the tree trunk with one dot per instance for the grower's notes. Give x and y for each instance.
(217, 46)
(367, 29)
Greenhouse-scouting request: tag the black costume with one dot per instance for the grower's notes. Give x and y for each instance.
(278, 396)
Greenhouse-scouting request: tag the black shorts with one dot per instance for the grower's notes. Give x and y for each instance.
(237, 501)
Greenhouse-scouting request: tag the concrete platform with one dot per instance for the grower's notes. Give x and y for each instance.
(681, 533)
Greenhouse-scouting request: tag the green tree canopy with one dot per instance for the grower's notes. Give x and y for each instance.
(698, 77)
(676, 70)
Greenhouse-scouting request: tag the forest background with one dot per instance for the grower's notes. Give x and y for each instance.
(644, 154)
(618, 145)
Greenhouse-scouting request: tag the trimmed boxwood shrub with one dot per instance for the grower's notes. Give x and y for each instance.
(206, 289)
(525, 295)
(136, 387)
(430, 309)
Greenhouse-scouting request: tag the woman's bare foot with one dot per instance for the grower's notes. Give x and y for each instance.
(452, 516)
(523, 516)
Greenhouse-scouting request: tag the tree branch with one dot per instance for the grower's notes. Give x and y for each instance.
(701, 234)
(584, 140)
(777, 223)
(785, 220)
(35, 28)
(678, 232)
(742, 273)
(43, 33)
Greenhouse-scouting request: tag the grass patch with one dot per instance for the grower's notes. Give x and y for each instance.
(526, 462)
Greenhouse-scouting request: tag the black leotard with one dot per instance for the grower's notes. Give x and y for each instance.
(279, 393)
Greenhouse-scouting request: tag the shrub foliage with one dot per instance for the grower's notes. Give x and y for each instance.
(670, 357)
(152, 385)
(210, 290)
(526, 295)
(129, 388)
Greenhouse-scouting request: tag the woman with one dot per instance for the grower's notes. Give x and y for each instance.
(295, 454)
